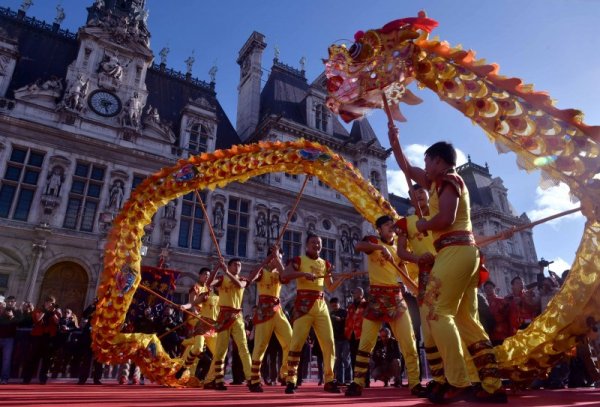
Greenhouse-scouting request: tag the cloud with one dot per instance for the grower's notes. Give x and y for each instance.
(559, 265)
(415, 154)
(551, 201)
(397, 183)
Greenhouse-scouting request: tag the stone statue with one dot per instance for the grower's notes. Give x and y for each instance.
(60, 14)
(189, 63)
(53, 83)
(54, 181)
(212, 72)
(153, 114)
(26, 4)
(302, 63)
(170, 210)
(345, 240)
(133, 108)
(274, 226)
(354, 241)
(163, 55)
(261, 230)
(99, 4)
(111, 66)
(117, 193)
(276, 52)
(218, 216)
(76, 93)
(141, 14)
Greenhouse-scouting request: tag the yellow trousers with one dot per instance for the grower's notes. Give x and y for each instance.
(450, 311)
(317, 318)
(262, 335)
(194, 350)
(404, 334)
(238, 332)
(434, 359)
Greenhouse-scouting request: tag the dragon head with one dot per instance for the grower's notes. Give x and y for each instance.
(380, 60)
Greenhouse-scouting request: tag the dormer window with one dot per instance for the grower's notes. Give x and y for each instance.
(198, 139)
(321, 117)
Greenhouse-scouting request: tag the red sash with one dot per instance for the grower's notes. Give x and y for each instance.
(385, 303)
(227, 317)
(202, 327)
(304, 301)
(266, 308)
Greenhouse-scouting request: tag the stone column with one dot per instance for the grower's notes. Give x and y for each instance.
(38, 248)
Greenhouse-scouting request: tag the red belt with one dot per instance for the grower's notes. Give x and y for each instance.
(458, 238)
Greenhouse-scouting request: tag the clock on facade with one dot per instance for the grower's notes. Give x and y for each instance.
(104, 103)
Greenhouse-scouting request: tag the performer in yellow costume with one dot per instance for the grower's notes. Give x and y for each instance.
(230, 322)
(200, 303)
(385, 304)
(450, 302)
(269, 317)
(313, 274)
(418, 250)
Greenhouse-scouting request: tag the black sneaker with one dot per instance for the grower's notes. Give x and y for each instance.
(482, 396)
(220, 386)
(332, 387)
(180, 372)
(432, 386)
(354, 390)
(290, 388)
(419, 391)
(447, 393)
(209, 385)
(255, 388)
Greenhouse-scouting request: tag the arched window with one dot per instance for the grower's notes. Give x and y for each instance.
(321, 117)
(375, 179)
(198, 139)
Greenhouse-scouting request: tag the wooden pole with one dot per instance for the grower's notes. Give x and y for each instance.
(399, 155)
(151, 291)
(506, 234)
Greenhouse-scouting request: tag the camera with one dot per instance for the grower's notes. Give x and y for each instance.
(544, 263)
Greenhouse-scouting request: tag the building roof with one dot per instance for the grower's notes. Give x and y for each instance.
(285, 94)
(400, 204)
(46, 51)
(170, 91)
(363, 132)
(478, 180)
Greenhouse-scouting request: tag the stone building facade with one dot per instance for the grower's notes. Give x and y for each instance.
(491, 212)
(86, 116)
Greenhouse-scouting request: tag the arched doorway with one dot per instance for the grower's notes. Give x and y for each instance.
(68, 283)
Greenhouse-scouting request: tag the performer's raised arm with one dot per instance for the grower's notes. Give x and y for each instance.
(415, 173)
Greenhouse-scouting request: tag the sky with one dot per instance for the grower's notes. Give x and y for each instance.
(553, 44)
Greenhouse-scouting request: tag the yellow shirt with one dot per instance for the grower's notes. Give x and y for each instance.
(230, 295)
(196, 291)
(381, 272)
(269, 283)
(463, 213)
(418, 243)
(318, 267)
(210, 308)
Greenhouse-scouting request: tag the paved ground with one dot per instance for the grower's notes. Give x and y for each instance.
(67, 392)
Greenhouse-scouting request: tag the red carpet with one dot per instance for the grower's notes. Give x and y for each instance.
(62, 393)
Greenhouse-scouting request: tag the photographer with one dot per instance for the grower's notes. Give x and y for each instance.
(43, 336)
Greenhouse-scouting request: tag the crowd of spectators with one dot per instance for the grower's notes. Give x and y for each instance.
(48, 341)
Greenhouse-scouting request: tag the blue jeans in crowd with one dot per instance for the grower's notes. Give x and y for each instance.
(342, 362)
(6, 346)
